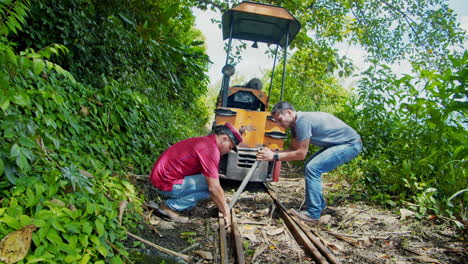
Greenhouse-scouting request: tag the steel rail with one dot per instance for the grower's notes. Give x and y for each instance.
(299, 230)
(318, 251)
(222, 240)
(237, 239)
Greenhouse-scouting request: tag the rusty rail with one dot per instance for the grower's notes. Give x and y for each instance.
(223, 248)
(300, 231)
(236, 237)
(309, 241)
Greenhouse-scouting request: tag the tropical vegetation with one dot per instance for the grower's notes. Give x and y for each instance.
(91, 92)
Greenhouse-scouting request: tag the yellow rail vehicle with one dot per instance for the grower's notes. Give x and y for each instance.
(246, 106)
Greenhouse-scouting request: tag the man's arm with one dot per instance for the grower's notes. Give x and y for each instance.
(297, 151)
(217, 195)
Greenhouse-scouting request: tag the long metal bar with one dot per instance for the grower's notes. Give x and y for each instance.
(229, 44)
(225, 82)
(272, 74)
(320, 246)
(243, 184)
(237, 239)
(222, 240)
(297, 232)
(284, 63)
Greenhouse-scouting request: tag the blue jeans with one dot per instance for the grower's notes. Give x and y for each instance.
(186, 195)
(324, 160)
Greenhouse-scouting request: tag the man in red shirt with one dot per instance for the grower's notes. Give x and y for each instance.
(187, 172)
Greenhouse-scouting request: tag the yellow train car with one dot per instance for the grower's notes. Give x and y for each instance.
(246, 106)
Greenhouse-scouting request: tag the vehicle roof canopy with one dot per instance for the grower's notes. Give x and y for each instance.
(261, 23)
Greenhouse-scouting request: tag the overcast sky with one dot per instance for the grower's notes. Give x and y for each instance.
(250, 67)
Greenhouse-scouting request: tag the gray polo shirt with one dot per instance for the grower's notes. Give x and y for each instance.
(323, 129)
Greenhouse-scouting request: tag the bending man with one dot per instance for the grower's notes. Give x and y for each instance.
(339, 144)
(187, 172)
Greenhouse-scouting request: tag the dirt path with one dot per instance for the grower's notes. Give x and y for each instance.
(355, 232)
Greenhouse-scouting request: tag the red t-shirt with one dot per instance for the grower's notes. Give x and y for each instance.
(185, 158)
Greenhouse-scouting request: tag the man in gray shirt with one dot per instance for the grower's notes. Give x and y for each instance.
(339, 144)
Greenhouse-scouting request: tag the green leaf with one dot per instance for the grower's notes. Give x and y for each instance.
(2, 166)
(21, 99)
(38, 66)
(87, 228)
(103, 250)
(126, 19)
(11, 222)
(457, 193)
(27, 142)
(4, 103)
(73, 227)
(58, 226)
(100, 227)
(95, 240)
(85, 259)
(54, 237)
(11, 56)
(14, 151)
(116, 260)
(40, 223)
(25, 220)
(22, 162)
(72, 258)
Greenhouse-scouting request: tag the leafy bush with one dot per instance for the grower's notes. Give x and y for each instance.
(68, 138)
(415, 140)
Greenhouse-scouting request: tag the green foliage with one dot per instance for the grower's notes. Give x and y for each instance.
(389, 30)
(68, 137)
(72, 227)
(145, 45)
(12, 15)
(412, 125)
(415, 140)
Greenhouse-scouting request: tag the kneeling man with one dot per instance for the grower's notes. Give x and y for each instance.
(187, 172)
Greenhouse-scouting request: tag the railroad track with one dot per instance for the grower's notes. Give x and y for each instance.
(231, 248)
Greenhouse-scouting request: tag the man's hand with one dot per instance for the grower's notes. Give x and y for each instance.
(265, 154)
(227, 219)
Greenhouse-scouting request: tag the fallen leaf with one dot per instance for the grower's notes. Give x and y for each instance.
(122, 206)
(71, 207)
(15, 246)
(250, 236)
(84, 110)
(361, 242)
(364, 242)
(154, 221)
(426, 259)
(40, 142)
(405, 213)
(324, 219)
(204, 254)
(57, 202)
(86, 174)
(276, 231)
(263, 212)
(334, 247)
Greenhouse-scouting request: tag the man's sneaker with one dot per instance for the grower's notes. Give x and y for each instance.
(329, 211)
(168, 212)
(304, 216)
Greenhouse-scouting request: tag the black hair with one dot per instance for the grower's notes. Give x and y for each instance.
(221, 130)
(280, 107)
